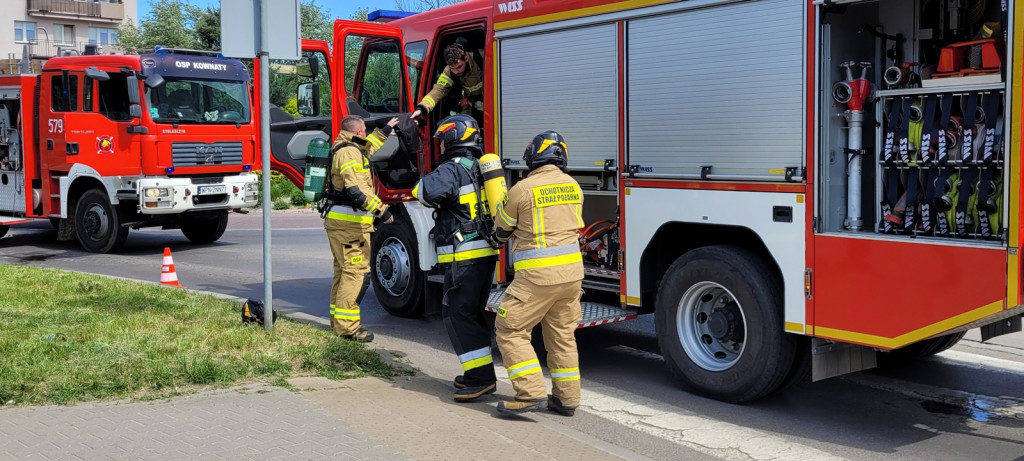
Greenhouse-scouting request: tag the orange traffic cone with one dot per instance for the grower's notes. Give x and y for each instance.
(168, 276)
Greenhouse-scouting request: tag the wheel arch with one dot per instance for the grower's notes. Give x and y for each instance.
(674, 239)
(422, 220)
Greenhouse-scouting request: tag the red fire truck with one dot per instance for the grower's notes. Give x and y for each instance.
(790, 187)
(100, 144)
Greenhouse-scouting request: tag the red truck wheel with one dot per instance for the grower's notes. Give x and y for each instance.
(98, 223)
(718, 317)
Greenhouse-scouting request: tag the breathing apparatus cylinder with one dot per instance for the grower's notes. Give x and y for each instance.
(495, 187)
(317, 158)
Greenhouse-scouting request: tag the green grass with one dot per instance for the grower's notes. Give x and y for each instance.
(71, 337)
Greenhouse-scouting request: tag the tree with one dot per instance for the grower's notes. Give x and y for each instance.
(361, 14)
(169, 23)
(208, 29)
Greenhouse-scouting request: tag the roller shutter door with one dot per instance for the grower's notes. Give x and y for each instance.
(563, 81)
(720, 87)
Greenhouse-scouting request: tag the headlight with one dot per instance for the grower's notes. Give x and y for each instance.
(153, 192)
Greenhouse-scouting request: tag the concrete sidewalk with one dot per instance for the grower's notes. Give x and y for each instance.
(411, 417)
(367, 418)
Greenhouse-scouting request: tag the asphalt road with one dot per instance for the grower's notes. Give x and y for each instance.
(966, 403)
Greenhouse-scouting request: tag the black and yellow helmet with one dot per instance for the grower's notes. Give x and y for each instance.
(547, 148)
(458, 131)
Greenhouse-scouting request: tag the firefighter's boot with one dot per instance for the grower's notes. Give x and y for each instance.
(471, 393)
(555, 405)
(459, 382)
(516, 407)
(361, 335)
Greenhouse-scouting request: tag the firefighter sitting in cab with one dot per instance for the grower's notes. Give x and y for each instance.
(543, 212)
(462, 67)
(455, 188)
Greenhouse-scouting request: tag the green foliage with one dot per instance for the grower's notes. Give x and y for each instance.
(169, 23)
(179, 24)
(282, 192)
(95, 338)
(298, 198)
(360, 14)
(292, 107)
(316, 21)
(207, 28)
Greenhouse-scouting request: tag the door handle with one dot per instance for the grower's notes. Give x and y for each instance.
(71, 148)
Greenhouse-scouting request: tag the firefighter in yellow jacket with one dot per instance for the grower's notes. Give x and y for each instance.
(464, 69)
(543, 213)
(348, 220)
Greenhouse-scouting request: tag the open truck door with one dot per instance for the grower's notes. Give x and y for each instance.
(373, 83)
(300, 107)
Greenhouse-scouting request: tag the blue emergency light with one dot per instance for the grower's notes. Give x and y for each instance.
(388, 15)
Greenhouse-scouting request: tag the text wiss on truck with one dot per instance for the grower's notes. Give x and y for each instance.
(103, 143)
(840, 191)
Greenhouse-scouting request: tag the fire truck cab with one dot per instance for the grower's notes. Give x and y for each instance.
(104, 143)
(791, 188)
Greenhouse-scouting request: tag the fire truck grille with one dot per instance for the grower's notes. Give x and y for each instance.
(205, 154)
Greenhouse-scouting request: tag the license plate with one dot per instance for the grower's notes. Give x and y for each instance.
(211, 190)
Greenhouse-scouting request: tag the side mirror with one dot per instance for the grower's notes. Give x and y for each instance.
(154, 80)
(133, 90)
(308, 66)
(96, 74)
(308, 99)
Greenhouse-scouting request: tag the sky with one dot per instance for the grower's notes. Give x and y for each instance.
(338, 9)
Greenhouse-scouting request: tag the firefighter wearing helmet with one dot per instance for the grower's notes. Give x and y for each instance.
(543, 213)
(455, 189)
(462, 68)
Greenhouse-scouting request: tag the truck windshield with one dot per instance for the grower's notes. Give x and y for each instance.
(199, 102)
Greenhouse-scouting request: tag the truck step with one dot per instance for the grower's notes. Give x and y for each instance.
(594, 314)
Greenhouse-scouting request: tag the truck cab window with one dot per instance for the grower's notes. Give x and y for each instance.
(414, 53)
(196, 101)
(64, 93)
(373, 76)
(113, 98)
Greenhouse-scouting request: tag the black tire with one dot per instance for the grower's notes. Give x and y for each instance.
(3, 230)
(98, 223)
(919, 349)
(718, 316)
(204, 229)
(397, 278)
(800, 372)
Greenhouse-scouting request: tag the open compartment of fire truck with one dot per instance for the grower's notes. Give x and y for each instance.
(912, 108)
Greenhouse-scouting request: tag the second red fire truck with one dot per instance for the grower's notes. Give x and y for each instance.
(105, 143)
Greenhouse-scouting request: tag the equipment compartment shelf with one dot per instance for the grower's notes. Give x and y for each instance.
(940, 90)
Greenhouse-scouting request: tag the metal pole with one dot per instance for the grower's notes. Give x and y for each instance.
(268, 286)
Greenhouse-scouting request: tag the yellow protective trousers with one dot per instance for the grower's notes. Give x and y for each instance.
(351, 249)
(557, 309)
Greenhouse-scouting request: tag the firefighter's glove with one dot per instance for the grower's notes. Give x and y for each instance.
(384, 217)
(494, 242)
(386, 129)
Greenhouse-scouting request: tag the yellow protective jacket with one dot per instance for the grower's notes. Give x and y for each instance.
(351, 176)
(544, 213)
(472, 80)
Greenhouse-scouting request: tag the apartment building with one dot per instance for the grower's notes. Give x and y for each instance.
(47, 28)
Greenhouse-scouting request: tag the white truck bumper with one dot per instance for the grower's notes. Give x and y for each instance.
(178, 195)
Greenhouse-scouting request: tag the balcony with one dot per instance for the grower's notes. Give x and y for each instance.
(103, 11)
(43, 49)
